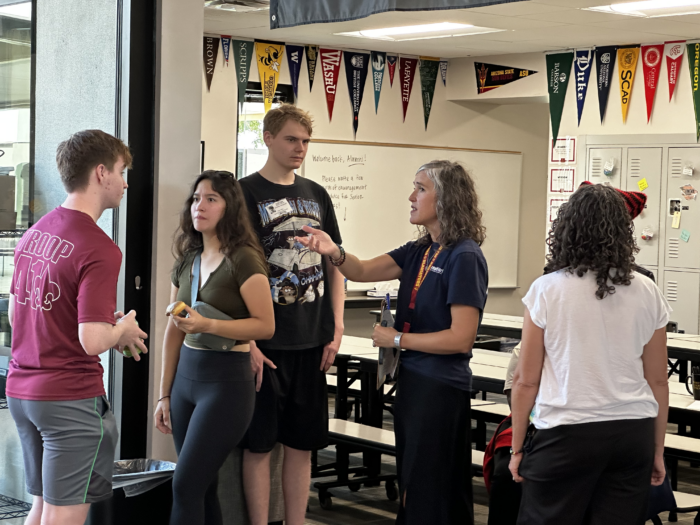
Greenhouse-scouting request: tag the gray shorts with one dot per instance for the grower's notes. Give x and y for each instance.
(68, 448)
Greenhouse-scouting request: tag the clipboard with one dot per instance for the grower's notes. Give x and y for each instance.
(388, 357)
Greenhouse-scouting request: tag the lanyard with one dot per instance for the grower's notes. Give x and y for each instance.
(422, 274)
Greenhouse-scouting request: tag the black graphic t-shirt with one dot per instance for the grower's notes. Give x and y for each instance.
(298, 280)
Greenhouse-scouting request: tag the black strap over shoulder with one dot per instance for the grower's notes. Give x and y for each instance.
(195, 277)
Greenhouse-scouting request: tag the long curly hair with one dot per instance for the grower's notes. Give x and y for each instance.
(457, 204)
(234, 230)
(594, 232)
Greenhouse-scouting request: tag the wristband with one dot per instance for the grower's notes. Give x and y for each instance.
(340, 260)
(515, 453)
(397, 340)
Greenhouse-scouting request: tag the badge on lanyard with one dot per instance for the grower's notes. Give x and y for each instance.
(279, 209)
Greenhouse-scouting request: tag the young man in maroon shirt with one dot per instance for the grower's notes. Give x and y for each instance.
(62, 310)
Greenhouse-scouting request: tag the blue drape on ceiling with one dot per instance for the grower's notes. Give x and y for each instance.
(290, 13)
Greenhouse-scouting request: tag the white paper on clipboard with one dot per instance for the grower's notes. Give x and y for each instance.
(388, 357)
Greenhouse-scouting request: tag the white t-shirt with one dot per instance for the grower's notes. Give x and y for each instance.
(593, 348)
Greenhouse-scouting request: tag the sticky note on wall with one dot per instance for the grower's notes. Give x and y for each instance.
(643, 184)
(685, 235)
(676, 220)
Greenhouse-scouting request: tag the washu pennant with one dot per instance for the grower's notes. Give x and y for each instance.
(558, 77)
(210, 52)
(583, 64)
(604, 64)
(242, 55)
(269, 57)
(443, 71)
(311, 59)
(391, 66)
(674, 57)
(330, 65)
(694, 65)
(627, 65)
(651, 68)
(407, 71)
(226, 46)
(294, 56)
(356, 70)
(428, 68)
(378, 63)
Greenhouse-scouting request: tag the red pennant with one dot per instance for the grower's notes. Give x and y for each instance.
(407, 71)
(674, 56)
(330, 65)
(651, 65)
(391, 65)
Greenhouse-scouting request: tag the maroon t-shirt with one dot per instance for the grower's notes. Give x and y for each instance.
(66, 271)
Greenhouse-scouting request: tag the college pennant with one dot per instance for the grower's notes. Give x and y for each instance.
(269, 64)
(311, 59)
(407, 70)
(604, 65)
(443, 71)
(558, 71)
(674, 57)
(391, 66)
(651, 66)
(242, 52)
(492, 76)
(694, 65)
(226, 45)
(428, 68)
(356, 69)
(211, 52)
(582, 69)
(294, 56)
(627, 65)
(378, 61)
(330, 65)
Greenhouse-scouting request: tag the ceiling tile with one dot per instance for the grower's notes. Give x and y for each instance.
(573, 16)
(654, 25)
(518, 8)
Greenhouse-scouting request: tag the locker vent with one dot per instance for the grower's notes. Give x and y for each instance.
(676, 167)
(635, 167)
(671, 290)
(673, 247)
(596, 167)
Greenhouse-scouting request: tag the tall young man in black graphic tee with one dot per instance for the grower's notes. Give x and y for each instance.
(308, 295)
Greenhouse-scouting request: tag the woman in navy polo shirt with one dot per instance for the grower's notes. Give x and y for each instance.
(444, 281)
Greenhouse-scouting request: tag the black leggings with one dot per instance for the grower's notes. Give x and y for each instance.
(211, 405)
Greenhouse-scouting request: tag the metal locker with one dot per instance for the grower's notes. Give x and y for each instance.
(597, 159)
(645, 164)
(682, 248)
(682, 291)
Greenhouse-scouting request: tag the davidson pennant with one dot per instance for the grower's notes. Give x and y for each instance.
(674, 57)
(391, 66)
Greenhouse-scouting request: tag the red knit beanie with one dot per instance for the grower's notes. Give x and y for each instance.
(634, 200)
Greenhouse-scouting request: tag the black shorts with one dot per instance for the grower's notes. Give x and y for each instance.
(292, 405)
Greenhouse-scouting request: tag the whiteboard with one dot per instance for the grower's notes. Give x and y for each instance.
(370, 185)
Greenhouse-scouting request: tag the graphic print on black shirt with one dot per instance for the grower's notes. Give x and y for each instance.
(298, 279)
(296, 273)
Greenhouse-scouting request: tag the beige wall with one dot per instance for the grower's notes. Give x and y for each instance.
(465, 124)
(178, 124)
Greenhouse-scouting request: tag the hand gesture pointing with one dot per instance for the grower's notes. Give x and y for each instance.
(320, 242)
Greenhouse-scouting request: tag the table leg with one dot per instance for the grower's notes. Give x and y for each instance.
(341, 390)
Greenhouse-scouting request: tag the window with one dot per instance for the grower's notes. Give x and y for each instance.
(15, 124)
(252, 152)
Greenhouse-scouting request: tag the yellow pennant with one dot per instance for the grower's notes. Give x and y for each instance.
(627, 65)
(269, 64)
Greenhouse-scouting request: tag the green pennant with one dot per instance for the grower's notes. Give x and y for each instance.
(428, 74)
(694, 64)
(243, 55)
(558, 76)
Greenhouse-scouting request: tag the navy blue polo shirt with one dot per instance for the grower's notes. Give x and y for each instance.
(459, 275)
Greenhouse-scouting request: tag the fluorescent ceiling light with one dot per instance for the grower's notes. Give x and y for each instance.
(651, 8)
(23, 10)
(420, 32)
